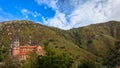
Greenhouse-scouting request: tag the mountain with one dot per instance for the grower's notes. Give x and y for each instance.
(39, 35)
(95, 38)
(90, 42)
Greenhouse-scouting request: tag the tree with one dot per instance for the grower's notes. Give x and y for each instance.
(3, 54)
(50, 60)
(11, 63)
(30, 62)
(113, 56)
(87, 64)
(53, 60)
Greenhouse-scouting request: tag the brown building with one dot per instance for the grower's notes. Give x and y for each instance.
(23, 52)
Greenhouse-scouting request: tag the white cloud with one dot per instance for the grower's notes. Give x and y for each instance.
(79, 13)
(113, 9)
(58, 21)
(27, 12)
(44, 20)
(35, 14)
(86, 14)
(24, 10)
(50, 3)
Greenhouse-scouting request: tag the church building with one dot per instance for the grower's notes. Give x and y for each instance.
(22, 52)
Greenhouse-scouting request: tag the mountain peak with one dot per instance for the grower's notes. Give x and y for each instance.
(17, 21)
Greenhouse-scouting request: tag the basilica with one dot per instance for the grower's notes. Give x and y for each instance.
(22, 52)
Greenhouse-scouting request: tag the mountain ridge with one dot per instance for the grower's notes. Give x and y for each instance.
(96, 33)
(89, 42)
(40, 35)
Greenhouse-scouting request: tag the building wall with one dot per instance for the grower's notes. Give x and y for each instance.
(24, 51)
(39, 50)
(15, 51)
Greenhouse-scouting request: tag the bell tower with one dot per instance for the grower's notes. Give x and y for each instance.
(15, 40)
(14, 46)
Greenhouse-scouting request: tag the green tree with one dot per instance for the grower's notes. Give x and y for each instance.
(87, 64)
(113, 56)
(30, 62)
(3, 53)
(11, 63)
(53, 60)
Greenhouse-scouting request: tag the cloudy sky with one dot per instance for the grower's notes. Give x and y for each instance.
(64, 14)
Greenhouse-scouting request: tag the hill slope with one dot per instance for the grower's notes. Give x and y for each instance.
(95, 38)
(39, 35)
(86, 42)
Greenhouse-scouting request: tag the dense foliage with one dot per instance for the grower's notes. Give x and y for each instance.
(87, 64)
(3, 54)
(113, 57)
(52, 60)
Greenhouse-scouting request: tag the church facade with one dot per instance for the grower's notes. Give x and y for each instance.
(24, 51)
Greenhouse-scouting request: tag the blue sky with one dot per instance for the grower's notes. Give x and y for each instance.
(64, 14)
(24, 10)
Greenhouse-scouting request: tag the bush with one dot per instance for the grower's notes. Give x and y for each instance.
(113, 56)
(52, 60)
(87, 64)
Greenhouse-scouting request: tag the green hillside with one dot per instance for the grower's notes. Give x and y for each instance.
(40, 35)
(95, 38)
(90, 42)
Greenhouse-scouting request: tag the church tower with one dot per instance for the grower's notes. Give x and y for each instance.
(14, 46)
(15, 42)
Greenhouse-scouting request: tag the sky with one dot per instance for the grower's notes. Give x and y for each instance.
(63, 14)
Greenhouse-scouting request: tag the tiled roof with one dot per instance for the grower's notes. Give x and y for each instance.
(30, 47)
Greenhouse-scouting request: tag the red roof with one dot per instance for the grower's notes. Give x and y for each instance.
(26, 47)
(31, 47)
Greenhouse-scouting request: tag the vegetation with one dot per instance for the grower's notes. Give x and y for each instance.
(50, 60)
(96, 38)
(53, 60)
(87, 64)
(113, 58)
(3, 54)
(11, 63)
(91, 42)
